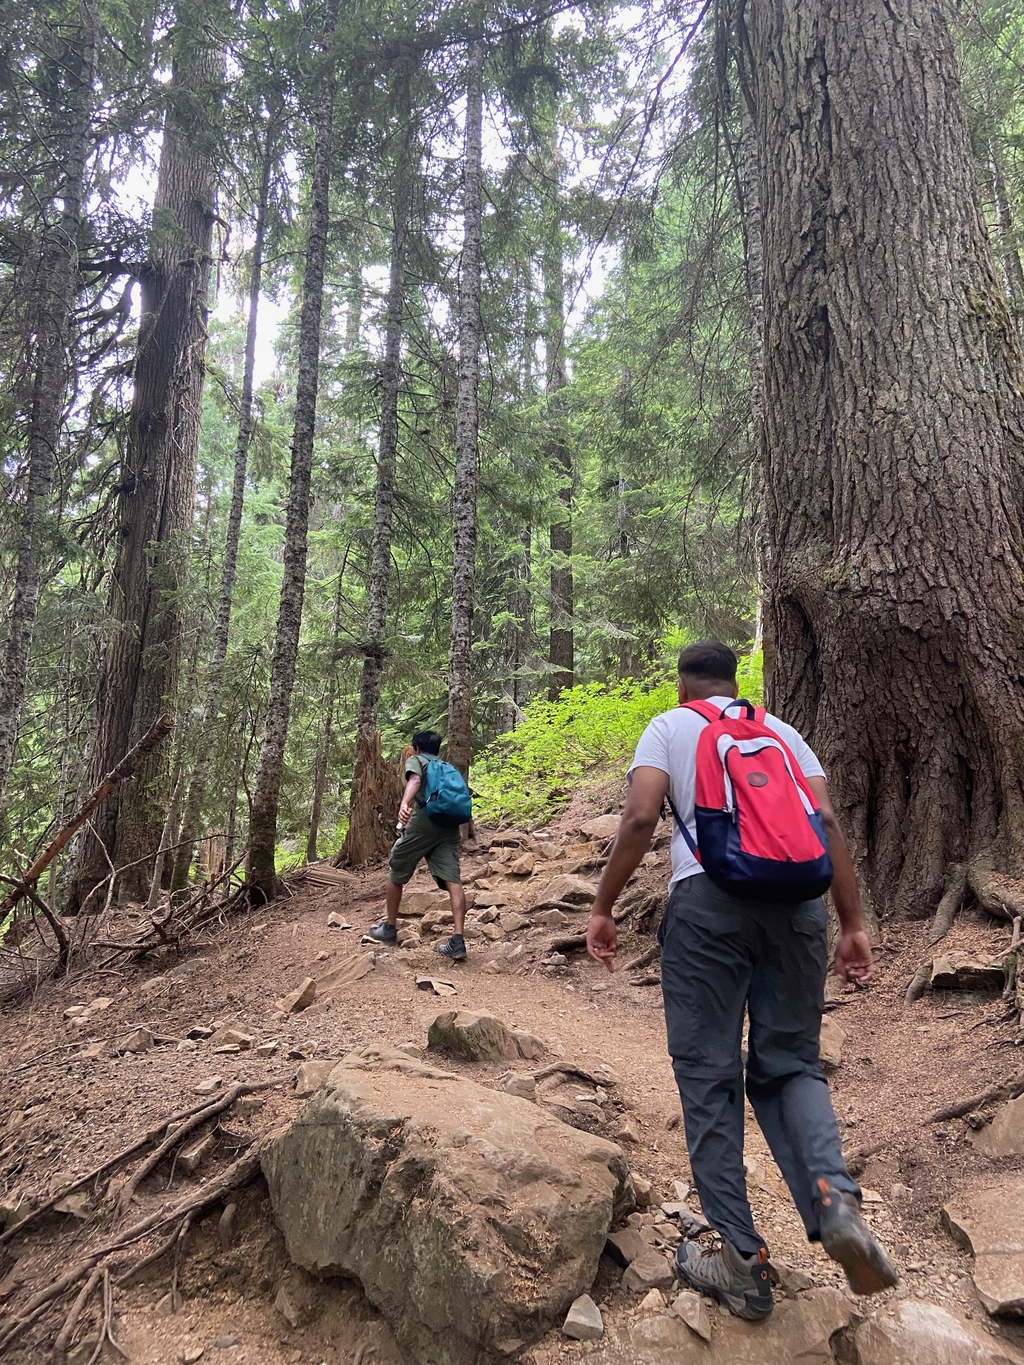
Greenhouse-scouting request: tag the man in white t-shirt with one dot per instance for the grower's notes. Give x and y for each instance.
(724, 955)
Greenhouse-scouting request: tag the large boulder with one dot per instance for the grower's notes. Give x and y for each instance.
(923, 1334)
(481, 1038)
(1004, 1136)
(567, 890)
(603, 827)
(799, 1330)
(471, 1218)
(989, 1221)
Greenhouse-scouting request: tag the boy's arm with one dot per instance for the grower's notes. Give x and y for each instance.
(640, 817)
(853, 959)
(405, 810)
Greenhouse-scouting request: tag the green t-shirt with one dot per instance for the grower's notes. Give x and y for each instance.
(416, 766)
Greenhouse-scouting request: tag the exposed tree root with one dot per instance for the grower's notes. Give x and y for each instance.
(568, 1069)
(645, 958)
(1000, 895)
(952, 899)
(243, 1170)
(1009, 1089)
(919, 984)
(60, 1346)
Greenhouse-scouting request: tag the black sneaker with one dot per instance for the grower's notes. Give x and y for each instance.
(453, 948)
(846, 1238)
(740, 1282)
(383, 933)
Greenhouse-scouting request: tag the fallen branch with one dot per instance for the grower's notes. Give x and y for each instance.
(125, 769)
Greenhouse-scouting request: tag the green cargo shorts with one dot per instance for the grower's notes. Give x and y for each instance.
(422, 838)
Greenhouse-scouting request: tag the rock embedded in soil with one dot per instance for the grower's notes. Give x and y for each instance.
(139, 1041)
(650, 1270)
(232, 1037)
(583, 1322)
(694, 1311)
(914, 1333)
(208, 1086)
(481, 1038)
(989, 1220)
(524, 1087)
(415, 903)
(960, 972)
(1004, 1136)
(299, 999)
(603, 827)
(523, 867)
(472, 1220)
(569, 890)
(625, 1246)
(311, 1076)
(830, 1043)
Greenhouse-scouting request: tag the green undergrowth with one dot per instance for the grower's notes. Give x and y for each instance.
(531, 773)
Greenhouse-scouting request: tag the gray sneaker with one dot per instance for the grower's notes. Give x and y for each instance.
(382, 933)
(846, 1238)
(740, 1282)
(453, 948)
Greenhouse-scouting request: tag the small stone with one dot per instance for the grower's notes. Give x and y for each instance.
(198, 1032)
(791, 1279)
(523, 866)
(336, 921)
(583, 1322)
(229, 1049)
(625, 1246)
(139, 1041)
(626, 1132)
(668, 1233)
(652, 1302)
(222, 1343)
(73, 1011)
(266, 1049)
(900, 1193)
(190, 1355)
(232, 1037)
(512, 922)
(415, 1050)
(321, 956)
(682, 1189)
(830, 1043)
(102, 1002)
(556, 960)
(190, 1159)
(78, 1205)
(170, 1303)
(550, 919)
(492, 968)
(286, 1308)
(523, 1086)
(208, 1086)
(410, 938)
(480, 1037)
(672, 1121)
(643, 1189)
(694, 1312)
(299, 999)
(649, 1271)
(1004, 1136)
(93, 1051)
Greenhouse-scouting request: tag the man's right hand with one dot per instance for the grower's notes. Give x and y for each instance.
(601, 939)
(854, 959)
(404, 813)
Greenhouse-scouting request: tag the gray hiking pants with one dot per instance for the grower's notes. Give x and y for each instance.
(719, 955)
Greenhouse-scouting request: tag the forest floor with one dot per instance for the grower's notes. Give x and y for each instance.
(68, 1099)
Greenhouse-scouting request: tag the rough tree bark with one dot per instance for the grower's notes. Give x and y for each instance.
(373, 803)
(559, 455)
(324, 756)
(893, 376)
(225, 594)
(467, 425)
(140, 675)
(262, 872)
(56, 287)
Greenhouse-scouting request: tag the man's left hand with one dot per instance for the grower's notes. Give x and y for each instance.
(405, 813)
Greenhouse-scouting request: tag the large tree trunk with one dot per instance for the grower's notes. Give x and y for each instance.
(467, 424)
(561, 654)
(140, 677)
(222, 626)
(262, 872)
(893, 481)
(371, 827)
(56, 289)
(323, 757)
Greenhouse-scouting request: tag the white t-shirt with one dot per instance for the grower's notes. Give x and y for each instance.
(670, 743)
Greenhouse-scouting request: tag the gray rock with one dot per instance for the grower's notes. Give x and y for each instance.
(792, 1280)
(232, 1037)
(191, 1158)
(523, 866)
(830, 1043)
(650, 1270)
(525, 1087)
(569, 890)
(435, 1194)
(915, 1333)
(652, 1302)
(989, 1221)
(139, 1041)
(625, 1246)
(583, 1322)
(694, 1311)
(208, 1086)
(311, 1076)
(481, 1038)
(604, 827)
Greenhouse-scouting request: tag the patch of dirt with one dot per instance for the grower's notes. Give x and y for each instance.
(65, 1110)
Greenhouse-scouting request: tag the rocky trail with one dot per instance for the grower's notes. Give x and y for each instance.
(376, 1156)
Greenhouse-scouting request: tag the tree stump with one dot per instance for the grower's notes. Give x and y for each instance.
(373, 806)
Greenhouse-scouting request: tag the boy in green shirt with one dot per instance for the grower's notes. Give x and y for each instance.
(423, 837)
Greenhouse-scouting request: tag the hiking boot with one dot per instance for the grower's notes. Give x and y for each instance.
(845, 1237)
(453, 948)
(740, 1282)
(383, 933)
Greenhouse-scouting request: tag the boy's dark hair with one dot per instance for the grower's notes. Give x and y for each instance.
(708, 659)
(427, 741)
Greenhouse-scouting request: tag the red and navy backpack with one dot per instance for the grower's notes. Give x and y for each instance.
(760, 832)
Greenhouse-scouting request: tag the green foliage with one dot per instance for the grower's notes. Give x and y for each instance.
(531, 773)
(750, 677)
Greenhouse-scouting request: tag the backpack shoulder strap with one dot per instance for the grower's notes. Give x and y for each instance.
(702, 708)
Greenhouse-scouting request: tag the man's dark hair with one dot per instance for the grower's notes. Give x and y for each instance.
(708, 659)
(427, 741)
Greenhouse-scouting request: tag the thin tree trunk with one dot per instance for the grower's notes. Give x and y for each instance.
(140, 676)
(262, 872)
(57, 287)
(467, 426)
(1007, 237)
(893, 376)
(324, 756)
(222, 627)
(371, 819)
(559, 455)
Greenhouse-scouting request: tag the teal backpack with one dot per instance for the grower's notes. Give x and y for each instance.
(444, 796)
